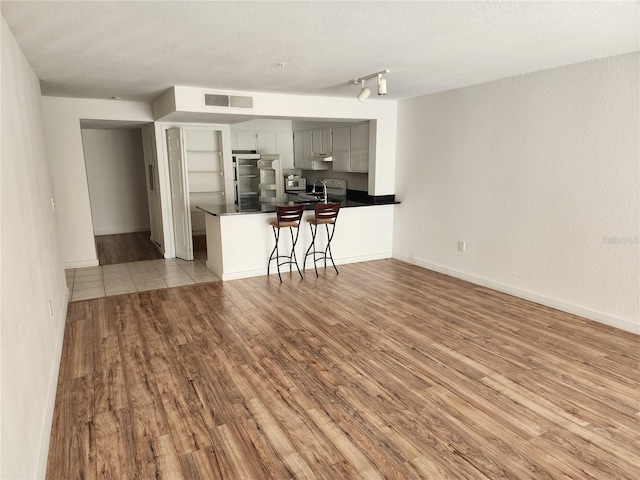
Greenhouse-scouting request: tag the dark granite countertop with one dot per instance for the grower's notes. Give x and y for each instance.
(345, 202)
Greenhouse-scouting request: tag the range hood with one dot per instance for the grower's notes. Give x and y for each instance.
(322, 157)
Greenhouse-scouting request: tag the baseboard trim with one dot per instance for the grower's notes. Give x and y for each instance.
(53, 387)
(596, 316)
(309, 266)
(117, 231)
(81, 264)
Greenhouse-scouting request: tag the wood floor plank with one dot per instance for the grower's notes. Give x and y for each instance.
(167, 464)
(73, 444)
(115, 454)
(126, 247)
(283, 404)
(200, 465)
(385, 371)
(350, 451)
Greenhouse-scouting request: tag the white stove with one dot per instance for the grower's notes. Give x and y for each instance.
(336, 189)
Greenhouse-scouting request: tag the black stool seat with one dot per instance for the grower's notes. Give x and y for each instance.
(325, 214)
(288, 216)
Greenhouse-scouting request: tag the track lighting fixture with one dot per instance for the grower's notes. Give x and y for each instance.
(382, 85)
(366, 91)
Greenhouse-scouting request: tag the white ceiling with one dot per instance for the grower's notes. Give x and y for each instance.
(136, 50)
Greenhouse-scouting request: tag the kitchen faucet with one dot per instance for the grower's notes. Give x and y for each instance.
(324, 186)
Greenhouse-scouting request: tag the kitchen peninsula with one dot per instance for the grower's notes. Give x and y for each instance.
(239, 241)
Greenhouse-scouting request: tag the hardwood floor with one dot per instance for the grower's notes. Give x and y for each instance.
(125, 248)
(384, 371)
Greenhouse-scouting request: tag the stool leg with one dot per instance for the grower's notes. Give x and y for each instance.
(304, 262)
(314, 232)
(327, 252)
(311, 246)
(291, 253)
(272, 251)
(276, 234)
(292, 256)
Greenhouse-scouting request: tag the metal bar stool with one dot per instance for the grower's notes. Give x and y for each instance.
(326, 214)
(288, 216)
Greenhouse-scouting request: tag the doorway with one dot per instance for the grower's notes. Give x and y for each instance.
(115, 165)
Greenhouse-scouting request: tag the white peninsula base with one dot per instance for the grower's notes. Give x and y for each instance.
(238, 246)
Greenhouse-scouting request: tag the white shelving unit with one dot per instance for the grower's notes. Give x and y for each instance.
(205, 173)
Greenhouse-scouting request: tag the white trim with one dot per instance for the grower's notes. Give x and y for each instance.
(81, 264)
(43, 454)
(596, 316)
(309, 266)
(116, 231)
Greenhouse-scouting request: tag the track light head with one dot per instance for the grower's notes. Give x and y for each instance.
(364, 93)
(382, 85)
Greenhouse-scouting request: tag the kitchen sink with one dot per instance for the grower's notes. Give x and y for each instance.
(309, 197)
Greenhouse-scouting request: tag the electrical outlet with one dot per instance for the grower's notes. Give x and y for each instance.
(53, 205)
(50, 309)
(462, 246)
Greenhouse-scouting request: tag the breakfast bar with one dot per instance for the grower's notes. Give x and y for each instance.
(239, 241)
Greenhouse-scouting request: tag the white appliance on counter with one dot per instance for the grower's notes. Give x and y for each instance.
(295, 183)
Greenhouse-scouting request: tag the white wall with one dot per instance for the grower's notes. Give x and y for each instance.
(116, 176)
(539, 174)
(31, 276)
(264, 124)
(62, 125)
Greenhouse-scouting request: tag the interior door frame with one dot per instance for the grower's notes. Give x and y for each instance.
(163, 173)
(179, 192)
(153, 186)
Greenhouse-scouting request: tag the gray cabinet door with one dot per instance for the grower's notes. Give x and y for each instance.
(342, 149)
(360, 148)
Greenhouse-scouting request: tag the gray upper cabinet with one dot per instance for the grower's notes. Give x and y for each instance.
(351, 148)
(271, 143)
(360, 147)
(298, 150)
(246, 140)
(266, 142)
(342, 149)
(284, 142)
(303, 152)
(321, 142)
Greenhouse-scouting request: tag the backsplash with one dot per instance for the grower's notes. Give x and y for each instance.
(355, 181)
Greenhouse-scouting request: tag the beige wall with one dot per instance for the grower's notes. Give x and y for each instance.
(32, 274)
(117, 185)
(539, 175)
(62, 126)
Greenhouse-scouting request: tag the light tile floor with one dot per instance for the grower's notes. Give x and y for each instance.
(94, 282)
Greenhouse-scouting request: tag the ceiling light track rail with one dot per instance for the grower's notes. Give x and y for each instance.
(356, 81)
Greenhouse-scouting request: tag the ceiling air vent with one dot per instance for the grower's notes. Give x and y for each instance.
(241, 102)
(236, 101)
(211, 100)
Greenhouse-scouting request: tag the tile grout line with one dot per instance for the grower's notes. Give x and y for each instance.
(157, 273)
